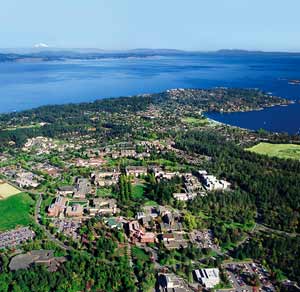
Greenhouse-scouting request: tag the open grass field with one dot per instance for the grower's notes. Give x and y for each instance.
(291, 151)
(22, 127)
(15, 211)
(196, 122)
(7, 190)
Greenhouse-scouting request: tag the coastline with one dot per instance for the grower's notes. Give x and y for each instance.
(236, 103)
(277, 119)
(227, 125)
(281, 101)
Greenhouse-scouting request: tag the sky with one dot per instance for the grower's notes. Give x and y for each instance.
(270, 25)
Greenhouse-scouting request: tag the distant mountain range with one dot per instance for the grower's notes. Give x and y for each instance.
(52, 54)
(42, 52)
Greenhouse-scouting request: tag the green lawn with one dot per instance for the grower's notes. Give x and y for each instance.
(22, 127)
(44, 205)
(105, 192)
(15, 211)
(138, 191)
(291, 151)
(196, 122)
(139, 254)
(245, 227)
(150, 203)
(227, 246)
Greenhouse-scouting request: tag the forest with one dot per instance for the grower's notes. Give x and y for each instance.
(80, 273)
(270, 184)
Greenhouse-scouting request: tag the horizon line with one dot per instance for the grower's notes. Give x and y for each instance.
(151, 49)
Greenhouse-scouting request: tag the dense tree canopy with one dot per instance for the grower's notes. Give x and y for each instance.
(272, 185)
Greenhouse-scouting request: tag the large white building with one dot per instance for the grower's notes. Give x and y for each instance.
(211, 183)
(184, 196)
(208, 277)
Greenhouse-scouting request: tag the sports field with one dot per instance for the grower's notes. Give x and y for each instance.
(15, 211)
(196, 122)
(291, 151)
(7, 190)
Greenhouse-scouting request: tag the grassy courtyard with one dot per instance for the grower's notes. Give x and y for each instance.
(138, 191)
(291, 151)
(105, 192)
(16, 211)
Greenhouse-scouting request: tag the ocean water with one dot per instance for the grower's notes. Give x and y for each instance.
(28, 85)
(274, 119)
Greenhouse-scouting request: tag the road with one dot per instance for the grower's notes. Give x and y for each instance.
(261, 227)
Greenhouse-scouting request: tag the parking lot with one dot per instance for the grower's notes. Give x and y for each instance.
(248, 277)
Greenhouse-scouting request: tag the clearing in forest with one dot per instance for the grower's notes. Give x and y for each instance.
(291, 151)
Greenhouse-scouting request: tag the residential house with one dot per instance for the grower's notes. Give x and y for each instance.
(123, 153)
(92, 162)
(136, 171)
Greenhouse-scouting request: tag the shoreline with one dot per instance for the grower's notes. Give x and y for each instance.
(230, 108)
(251, 111)
(230, 126)
(284, 101)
